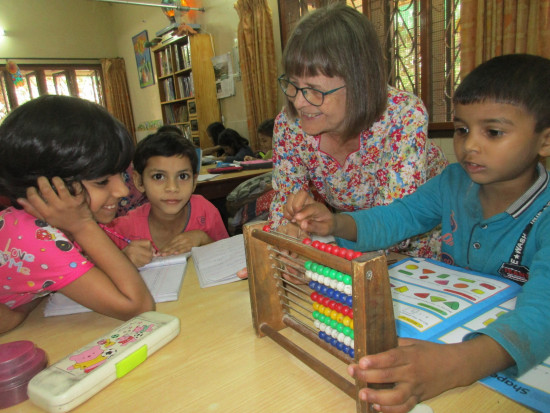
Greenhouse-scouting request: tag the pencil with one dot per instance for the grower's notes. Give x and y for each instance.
(114, 234)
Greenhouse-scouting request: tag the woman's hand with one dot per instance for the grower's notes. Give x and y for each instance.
(57, 206)
(309, 215)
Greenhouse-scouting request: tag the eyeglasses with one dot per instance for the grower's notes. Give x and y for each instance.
(312, 95)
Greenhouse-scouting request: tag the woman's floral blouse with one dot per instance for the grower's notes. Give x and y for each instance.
(395, 157)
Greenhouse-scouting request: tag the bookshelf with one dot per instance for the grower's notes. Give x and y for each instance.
(187, 86)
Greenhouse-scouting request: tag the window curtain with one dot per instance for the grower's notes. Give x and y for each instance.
(117, 94)
(258, 65)
(492, 28)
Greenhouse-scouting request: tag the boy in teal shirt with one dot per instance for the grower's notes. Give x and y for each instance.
(493, 207)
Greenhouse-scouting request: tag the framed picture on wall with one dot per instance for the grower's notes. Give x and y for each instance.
(143, 59)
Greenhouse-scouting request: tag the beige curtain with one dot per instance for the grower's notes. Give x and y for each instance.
(258, 65)
(117, 94)
(492, 28)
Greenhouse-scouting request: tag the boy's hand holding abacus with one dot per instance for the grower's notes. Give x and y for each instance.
(55, 205)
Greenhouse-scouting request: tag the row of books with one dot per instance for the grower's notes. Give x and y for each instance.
(176, 113)
(164, 62)
(183, 56)
(186, 87)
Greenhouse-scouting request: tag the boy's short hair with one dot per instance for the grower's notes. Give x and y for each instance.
(517, 79)
(266, 127)
(165, 144)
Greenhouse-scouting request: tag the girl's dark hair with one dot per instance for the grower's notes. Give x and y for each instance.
(165, 144)
(213, 130)
(232, 138)
(266, 127)
(170, 128)
(62, 136)
(339, 41)
(516, 79)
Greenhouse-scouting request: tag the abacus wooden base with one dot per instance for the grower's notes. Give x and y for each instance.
(275, 262)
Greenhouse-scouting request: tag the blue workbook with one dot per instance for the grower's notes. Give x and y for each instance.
(442, 303)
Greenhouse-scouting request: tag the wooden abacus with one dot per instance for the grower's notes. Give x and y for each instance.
(278, 302)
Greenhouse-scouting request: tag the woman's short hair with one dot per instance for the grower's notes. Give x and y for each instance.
(339, 41)
(62, 136)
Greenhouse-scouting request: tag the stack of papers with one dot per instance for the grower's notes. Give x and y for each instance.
(218, 263)
(163, 276)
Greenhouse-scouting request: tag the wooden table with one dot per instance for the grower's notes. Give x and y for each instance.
(220, 186)
(217, 364)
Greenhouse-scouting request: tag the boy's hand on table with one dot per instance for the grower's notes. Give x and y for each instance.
(140, 252)
(184, 242)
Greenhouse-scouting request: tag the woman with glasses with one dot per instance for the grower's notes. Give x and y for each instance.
(344, 134)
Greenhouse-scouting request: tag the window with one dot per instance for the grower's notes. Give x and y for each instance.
(420, 39)
(70, 80)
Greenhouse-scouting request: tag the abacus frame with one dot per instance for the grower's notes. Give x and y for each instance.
(374, 324)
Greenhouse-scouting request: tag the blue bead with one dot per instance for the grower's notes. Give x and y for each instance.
(352, 353)
(322, 335)
(349, 301)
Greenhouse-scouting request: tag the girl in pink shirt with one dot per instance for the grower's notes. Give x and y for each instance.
(61, 159)
(174, 220)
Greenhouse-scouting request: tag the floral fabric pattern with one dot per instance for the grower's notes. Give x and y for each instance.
(394, 158)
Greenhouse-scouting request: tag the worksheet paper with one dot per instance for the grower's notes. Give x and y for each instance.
(217, 263)
(163, 279)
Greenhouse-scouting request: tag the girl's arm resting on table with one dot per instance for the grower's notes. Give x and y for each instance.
(11, 318)
(422, 370)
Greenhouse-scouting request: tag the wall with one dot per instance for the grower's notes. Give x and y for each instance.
(56, 28)
(220, 20)
(92, 29)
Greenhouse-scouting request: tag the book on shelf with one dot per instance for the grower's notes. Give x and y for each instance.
(442, 303)
(163, 277)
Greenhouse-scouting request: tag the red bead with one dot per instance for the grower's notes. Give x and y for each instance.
(350, 315)
(345, 310)
(267, 228)
(358, 254)
(314, 296)
(332, 305)
(322, 246)
(315, 244)
(350, 254)
(339, 307)
(329, 248)
(336, 250)
(325, 301)
(306, 241)
(343, 252)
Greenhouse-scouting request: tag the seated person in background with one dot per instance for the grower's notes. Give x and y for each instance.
(213, 131)
(265, 141)
(493, 207)
(234, 146)
(250, 200)
(174, 220)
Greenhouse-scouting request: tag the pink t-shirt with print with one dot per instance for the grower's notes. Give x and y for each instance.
(204, 216)
(35, 259)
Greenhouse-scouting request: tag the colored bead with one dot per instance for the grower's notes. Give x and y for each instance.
(329, 248)
(350, 254)
(322, 246)
(267, 228)
(307, 241)
(315, 244)
(336, 250)
(343, 252)
(358, 254)
(351, 313)
(347, 279)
